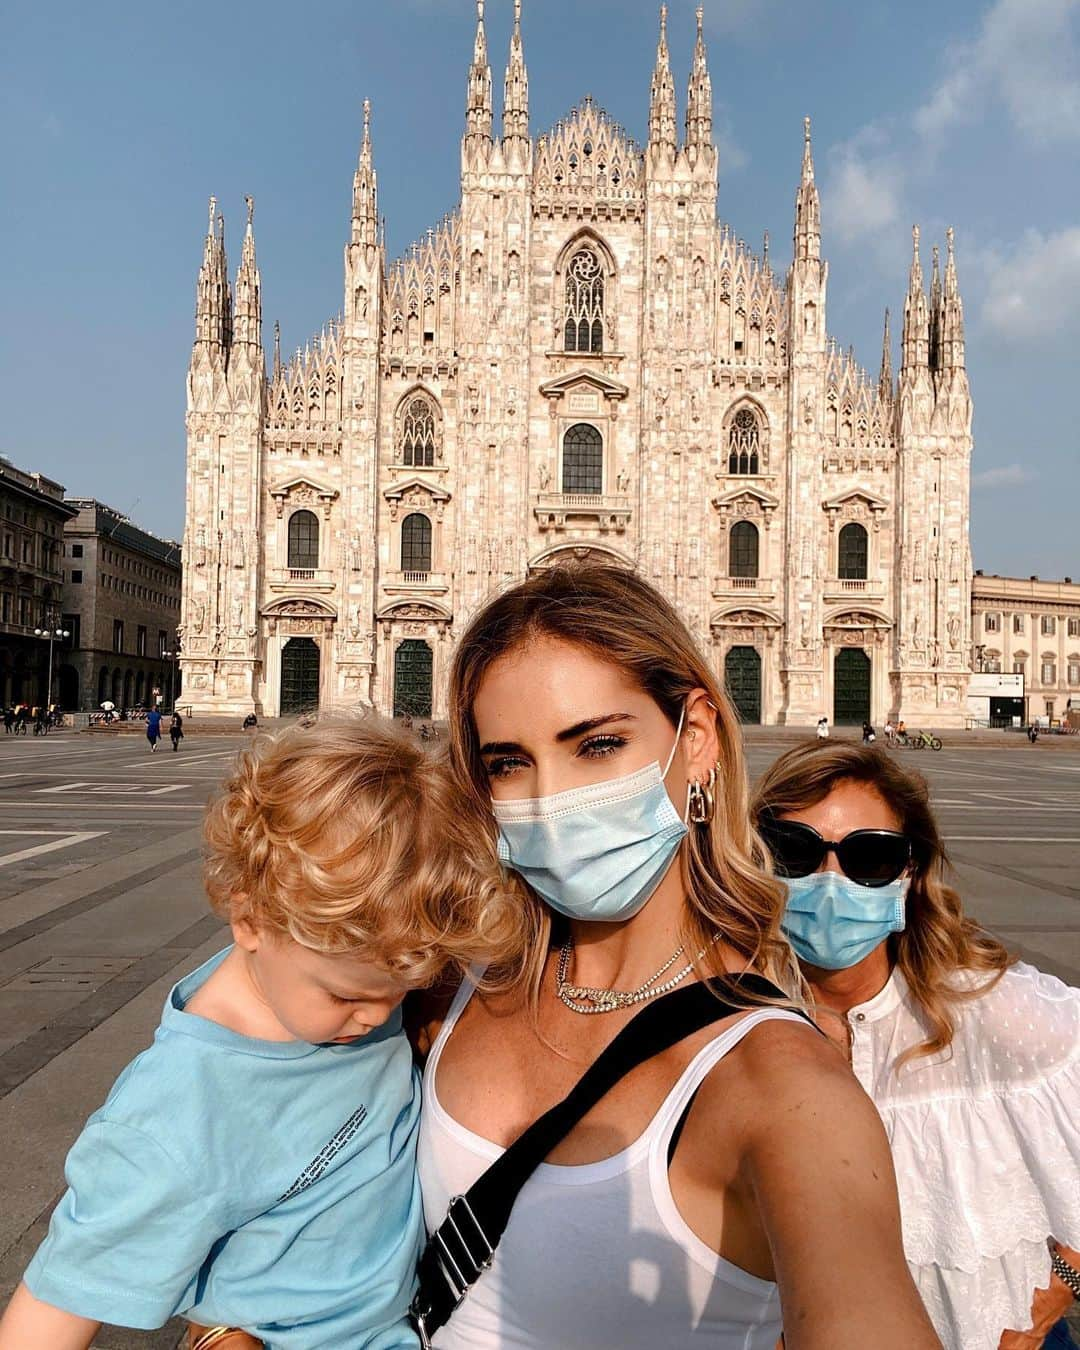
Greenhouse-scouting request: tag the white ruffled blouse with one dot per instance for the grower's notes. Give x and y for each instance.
(986, 1143)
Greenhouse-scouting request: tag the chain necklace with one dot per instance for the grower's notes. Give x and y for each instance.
(587, 1000)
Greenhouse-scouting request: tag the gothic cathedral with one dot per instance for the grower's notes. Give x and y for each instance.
(578, 362)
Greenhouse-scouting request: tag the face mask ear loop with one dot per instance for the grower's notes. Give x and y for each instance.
(678, 738)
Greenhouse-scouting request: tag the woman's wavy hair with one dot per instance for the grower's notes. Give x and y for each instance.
(939, 940)
(619, 618)
(346, 835)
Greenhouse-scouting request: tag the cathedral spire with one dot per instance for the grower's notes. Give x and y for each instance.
(699, 103)
(248, 310)
(213, 302)
(885, 380)
(478, 114)
(516, 88)
(365, 209)
(916, 337)
(951, 355)
(807, 206)
(662, 102)
(935, 310)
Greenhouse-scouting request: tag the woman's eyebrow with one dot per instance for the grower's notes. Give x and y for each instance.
(502, 748)
(590, 724)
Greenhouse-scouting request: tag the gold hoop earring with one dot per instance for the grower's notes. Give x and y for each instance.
(701, 803)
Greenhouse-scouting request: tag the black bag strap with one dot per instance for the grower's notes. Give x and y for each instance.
(463, 1246)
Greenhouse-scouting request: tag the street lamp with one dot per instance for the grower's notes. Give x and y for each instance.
(52, 634)
(173, 657)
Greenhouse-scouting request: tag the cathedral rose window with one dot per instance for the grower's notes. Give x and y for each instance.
(584, 331)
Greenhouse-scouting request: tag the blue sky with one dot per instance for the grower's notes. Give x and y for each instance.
(122, 118)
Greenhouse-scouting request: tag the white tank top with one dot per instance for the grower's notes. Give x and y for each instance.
(597, 1256)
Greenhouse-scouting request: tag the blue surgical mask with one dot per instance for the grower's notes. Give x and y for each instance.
(595, 852)
(833, 922)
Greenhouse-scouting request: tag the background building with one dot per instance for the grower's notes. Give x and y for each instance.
(1030, 628)
(32, 518)
(121, 606)
(580, 361)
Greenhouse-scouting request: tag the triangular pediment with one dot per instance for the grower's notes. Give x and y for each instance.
(584, 381)
(750, 493)
(857, 494)
(413, 486)
(300, 485)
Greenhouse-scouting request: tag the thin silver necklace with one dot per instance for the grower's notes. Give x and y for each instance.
(588, 1000)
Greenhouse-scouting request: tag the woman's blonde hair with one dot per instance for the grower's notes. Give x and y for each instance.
(620, 619)
(939, 939)
(346, 835)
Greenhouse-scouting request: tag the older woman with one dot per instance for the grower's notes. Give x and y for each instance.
(972, 1061)
(737, 1180)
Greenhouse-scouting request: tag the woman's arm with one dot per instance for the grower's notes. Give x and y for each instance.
(817, 1161)
(29, 1324)
(1048, 1307)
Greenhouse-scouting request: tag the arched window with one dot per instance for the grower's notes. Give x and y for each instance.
(303, 540)
(583, 460)
(744, 443)
(743, 550)
(584, 329)
(416, 543)
(852, 555)
(418, 433)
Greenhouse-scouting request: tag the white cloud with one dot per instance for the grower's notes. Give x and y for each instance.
(863, 193)
(1005, 475)
(1031, 291)
(1025, 55)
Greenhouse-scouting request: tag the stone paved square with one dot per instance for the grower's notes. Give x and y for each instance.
(101, 911)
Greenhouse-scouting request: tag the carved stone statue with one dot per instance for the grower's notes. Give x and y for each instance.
(954, 632)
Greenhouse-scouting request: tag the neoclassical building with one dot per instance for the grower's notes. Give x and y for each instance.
(580, 361)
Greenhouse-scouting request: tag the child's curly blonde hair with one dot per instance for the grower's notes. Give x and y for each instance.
(345, 834)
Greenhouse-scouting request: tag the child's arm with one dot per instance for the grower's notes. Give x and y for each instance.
(29, 1324)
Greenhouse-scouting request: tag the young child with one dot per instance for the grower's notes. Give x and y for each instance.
(254, 1168)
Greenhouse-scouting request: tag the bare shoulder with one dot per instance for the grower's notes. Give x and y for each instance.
(782, 1068)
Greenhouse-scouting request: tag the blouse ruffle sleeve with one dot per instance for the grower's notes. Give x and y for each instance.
(986, 1145)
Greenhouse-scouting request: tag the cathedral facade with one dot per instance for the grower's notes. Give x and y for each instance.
(579, 362)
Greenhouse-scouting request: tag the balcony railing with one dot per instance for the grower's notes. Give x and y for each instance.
(307, 578)
(431, 582)
(609, 511)
(759, 586)
(849, 588)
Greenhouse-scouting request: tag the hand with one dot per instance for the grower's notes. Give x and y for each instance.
(1048, 1306)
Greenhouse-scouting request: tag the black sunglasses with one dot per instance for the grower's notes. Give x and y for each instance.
(868, 857)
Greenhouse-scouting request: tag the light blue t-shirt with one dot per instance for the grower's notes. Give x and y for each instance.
(261, 1184)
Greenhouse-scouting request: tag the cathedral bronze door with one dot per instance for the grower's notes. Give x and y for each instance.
(299, 676)
(851, 687)
(742, 680)
(413, 679)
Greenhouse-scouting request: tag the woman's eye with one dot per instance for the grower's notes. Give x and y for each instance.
(503, 768)
(596, 747)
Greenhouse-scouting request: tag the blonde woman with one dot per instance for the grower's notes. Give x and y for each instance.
(972, 1061)
(736, 1182)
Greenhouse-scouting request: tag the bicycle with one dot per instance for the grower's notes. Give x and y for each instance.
(920, 740)
(41, 728)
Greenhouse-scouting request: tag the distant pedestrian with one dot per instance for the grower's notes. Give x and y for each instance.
(153, 728)
(1033, 733)
(823, 729)
(250, 722)
(869, 736)
(176, 730)
(9, 720)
